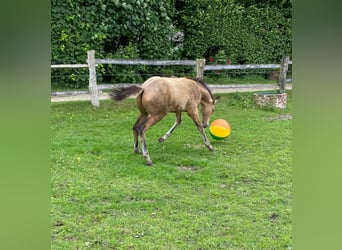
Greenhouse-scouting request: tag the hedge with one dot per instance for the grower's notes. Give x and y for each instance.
(162, 29)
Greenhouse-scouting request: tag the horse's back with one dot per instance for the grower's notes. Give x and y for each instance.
(169, 85)
(170, 93)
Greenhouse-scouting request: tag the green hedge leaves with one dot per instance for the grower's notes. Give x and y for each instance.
(162, 29)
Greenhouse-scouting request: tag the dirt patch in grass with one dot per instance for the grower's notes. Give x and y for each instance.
(280, 117)
(182, 168)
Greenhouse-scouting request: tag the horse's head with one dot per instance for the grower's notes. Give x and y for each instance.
(207, 109)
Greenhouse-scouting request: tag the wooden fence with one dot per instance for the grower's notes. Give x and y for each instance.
(199, 65)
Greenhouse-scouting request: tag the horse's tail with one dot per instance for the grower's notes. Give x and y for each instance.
(119, 94)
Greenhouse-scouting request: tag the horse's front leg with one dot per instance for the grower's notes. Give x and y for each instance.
(177, 123)
(194, 117)
(204, 137)
(206, 141)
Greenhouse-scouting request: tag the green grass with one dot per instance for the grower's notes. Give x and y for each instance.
(105, 197)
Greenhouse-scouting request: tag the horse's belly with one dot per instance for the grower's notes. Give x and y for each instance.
(174, 109)
(179, 106)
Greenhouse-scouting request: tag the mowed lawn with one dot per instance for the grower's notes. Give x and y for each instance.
(105, 197)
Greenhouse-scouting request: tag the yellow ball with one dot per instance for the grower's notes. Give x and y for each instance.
(219, 129)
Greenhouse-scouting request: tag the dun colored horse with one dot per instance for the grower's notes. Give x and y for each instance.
(159, 95)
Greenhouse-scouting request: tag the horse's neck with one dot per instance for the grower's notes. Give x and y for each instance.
(206, 97)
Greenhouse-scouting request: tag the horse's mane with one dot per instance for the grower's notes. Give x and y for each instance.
(203, 84)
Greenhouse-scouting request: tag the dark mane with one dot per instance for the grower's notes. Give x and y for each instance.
(204, 85)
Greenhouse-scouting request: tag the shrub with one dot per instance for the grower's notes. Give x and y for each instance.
(245, 34)
(109, 27)
(236, 31)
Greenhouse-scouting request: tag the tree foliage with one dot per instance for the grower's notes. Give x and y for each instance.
(107, 27)
(243, 31)
(245, 34)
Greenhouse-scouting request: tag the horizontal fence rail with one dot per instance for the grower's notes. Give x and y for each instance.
(64, 66)
(199, 64)
(146, 62)
(168, 63)
(242, 66)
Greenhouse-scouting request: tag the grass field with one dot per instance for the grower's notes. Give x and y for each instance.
(105, 197)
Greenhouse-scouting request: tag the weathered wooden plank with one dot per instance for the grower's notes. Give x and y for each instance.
(62, 66)
(170, 62)
(92, 79)
(242, 66)
(200, 68)
(146, 62)
(283, 72)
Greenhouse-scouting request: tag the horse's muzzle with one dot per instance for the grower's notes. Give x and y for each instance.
(205, 125)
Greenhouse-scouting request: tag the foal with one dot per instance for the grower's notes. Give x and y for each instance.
(159, 95)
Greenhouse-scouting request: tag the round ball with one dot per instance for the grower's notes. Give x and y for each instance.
(219, 129)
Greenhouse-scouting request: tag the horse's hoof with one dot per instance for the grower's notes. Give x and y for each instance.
(161, 139)
(137, 151)
(211, 149)
(149, 163)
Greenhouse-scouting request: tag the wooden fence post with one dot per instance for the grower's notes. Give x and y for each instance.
(200, 69)
(92, 78)
(283, 71)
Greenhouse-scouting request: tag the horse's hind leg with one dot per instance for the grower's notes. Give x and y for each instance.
(136, 126)
(149, 122)
(168, 133)
(136, 135)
